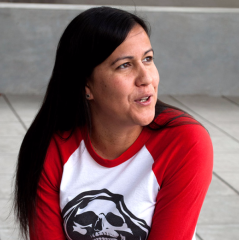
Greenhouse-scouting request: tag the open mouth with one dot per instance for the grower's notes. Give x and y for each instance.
(144, 99)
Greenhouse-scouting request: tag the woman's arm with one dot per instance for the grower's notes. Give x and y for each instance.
(47, 223)
(184, 185)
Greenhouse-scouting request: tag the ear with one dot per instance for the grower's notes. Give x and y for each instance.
(88, 93)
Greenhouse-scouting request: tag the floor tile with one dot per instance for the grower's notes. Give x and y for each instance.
(11, 129)
(8, 163)
(219, 232)
(6, 215)
(224, 144)
(10, 234)
(234, 99)
(212, 129)
(27, 123)
(197, 238)
(6, 186)
(217, 187)
(226, 162)
(219, 218)
(26, 105)
(219, 117)
(171, 101)
(231, 128)
(10, 144)
(205, 102)
(167, 99)
(6, 113)
(220, 210)
(232, 178)
(214, 109)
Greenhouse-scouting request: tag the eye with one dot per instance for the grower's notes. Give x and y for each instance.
(124, 65)
(148, 59)
(85, 218)
(114, 219)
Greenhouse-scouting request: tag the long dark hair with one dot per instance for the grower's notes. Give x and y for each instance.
(86, 42)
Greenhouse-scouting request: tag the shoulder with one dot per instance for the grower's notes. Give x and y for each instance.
(60, 148)
(62, 145)
(177, 126)
(171, 117)
(184, 142)
(179, 140)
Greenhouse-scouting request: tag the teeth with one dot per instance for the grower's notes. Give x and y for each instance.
(144, 99)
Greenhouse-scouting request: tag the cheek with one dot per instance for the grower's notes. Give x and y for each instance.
(156, 78)
(118, 87)
(101, 88)
(109, 91)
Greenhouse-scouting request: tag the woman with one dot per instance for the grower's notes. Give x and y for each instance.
(104, 159)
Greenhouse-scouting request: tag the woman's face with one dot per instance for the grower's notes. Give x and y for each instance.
(123, 88)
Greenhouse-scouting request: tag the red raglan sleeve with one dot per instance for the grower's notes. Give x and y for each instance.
(48, 223)
(183, 168)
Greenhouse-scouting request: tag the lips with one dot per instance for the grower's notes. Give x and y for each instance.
(144, 99)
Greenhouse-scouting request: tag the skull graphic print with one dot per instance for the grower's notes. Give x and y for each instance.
(100, 214)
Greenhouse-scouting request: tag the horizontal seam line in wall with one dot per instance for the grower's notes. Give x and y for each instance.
(129, 8)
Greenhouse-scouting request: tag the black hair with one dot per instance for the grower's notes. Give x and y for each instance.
(87, 41)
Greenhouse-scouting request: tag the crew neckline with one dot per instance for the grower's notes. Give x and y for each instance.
(129, 153)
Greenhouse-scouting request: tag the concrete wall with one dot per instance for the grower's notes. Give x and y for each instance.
(161, 3)
(196, 50)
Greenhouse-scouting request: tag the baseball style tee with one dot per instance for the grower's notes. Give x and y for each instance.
(153, 191)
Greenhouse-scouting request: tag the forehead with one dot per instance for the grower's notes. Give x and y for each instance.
(136, 32)
(105, 207)
(136, 43)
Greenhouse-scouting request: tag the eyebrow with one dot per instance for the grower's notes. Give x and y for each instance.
(130, 57)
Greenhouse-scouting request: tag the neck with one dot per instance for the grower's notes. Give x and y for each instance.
(110, 142)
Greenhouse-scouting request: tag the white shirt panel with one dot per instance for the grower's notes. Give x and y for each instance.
(134, 179)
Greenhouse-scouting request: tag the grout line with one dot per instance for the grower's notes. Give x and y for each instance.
(218, 128)
(198, 236)
(14, 111)
(220, 178)
(228, 99)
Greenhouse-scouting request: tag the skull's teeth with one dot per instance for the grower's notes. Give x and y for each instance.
(105, 238)
(109, 236)
(122, 237)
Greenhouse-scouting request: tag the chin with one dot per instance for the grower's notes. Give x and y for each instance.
(146, 120)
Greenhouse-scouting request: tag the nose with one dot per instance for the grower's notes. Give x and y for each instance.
(144, 76)
(98, 225)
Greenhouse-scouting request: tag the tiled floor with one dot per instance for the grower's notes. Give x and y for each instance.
(219, 218)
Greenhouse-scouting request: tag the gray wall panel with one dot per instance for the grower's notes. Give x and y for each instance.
(161, 3)
(196, 50)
